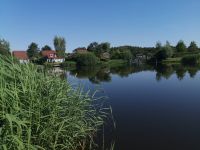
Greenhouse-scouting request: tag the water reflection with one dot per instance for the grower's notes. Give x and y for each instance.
(149, 114)
(98, 74)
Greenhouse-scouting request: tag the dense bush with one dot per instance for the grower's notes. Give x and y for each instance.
(164, 53)
(125, 55)
(42, 112)
(191, 59)
(86, 59)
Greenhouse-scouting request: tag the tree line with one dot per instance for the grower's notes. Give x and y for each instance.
(33, 50)
(158, 53)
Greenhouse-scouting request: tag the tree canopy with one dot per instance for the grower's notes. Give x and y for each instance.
(4, 47)
(193, 46)
(165, 52)
(60, 45)
(46, 47)
(86, 59)
(181, 47)
(98, 49)
(33, 51)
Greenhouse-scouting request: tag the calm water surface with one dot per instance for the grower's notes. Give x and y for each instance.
(155, 108)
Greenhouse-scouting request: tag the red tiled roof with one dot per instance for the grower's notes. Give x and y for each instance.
(20, 55)
(49, 54)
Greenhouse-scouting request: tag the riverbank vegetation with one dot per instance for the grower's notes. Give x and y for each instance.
(41, 111)
(102, 53)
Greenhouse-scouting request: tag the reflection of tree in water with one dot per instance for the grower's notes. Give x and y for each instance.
(164, 71)
(193, 71)
(94, 74)
(103, 75)
(85, 72)
(98, 74)
(122, 71)
(180, 72)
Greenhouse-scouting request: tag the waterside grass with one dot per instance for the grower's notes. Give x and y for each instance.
(43, 112)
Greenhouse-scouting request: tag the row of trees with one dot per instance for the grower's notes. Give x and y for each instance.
(157, 53)
(33, 50)
(167, 51)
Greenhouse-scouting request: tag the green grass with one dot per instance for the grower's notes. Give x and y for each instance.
(43, 112)
(176, 60)
(114, 63)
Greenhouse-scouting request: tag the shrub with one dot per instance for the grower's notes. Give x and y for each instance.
(164, 53)
(125, 55)
(39, 111)
(191, 59)
(86, 59)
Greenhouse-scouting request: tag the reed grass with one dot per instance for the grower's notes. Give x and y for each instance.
(43, 112)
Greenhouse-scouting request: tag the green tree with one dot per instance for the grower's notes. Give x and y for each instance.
(158, 46)
(165, 52)
(86, 59)
(33, 51)
(4, 47)
(193, 46)
(181, 47)
(92, 47)
(102, 48)
(126, 55)
(46, 47)
(60, 46)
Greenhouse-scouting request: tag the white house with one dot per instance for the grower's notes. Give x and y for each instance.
(51, 56)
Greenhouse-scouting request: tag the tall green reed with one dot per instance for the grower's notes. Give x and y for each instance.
(43, 112)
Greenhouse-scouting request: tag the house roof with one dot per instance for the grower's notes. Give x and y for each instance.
(20, 55)
(50, 54)
(47, 53)
(80, 49)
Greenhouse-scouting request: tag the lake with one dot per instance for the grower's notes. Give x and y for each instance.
(154, 108)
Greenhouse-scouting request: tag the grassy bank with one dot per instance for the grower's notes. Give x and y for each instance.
(71, 65)
(39, 111)
(180, 58)
(115, 63)
(176, 60)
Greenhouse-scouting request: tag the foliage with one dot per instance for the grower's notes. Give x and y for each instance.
(98, 49)
(191, 59)
(158, 46)
(60, 46)
(86, 59)
(164, 53)
(92, 47)
(46, 47)
(193, 47)
(39, 111)
(4, 47)
(33, 51)
(181, 47)
(68, 64)
(126, 55)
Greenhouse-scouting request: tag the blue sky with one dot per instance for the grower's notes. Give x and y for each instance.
(120, 22)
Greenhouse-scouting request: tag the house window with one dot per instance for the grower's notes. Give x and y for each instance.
(51, 55)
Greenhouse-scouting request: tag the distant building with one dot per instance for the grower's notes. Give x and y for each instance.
(105, 56)
(80, 50)
(51, 56)
(21, 56)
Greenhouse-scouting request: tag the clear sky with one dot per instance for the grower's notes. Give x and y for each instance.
(120, 22)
